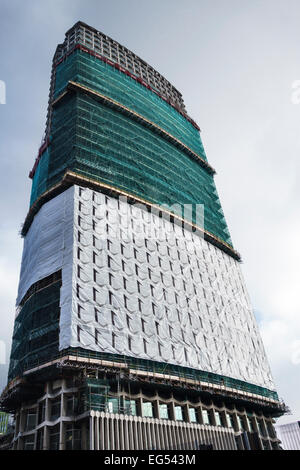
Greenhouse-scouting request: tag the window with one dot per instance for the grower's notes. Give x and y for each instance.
(130, 407)
(29, 442)
(163, 411)
(148, 409)
(40, 440)
(70, 405)
(42, 412)
(178, 413)
(241, 423)
(230, 421)
(250, 424)
(54, 438)
(218, 418)
(55, 409)
(261, 428)
(73, 437)
(206, 417)
(30, 420)
(192, 415)
(270, 429)
(113, 405)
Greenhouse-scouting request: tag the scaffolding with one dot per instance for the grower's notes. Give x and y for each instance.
(140, 145)
(36, 329)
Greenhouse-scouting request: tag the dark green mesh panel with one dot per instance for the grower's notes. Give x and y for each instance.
(99, 142)
(36, 330)
(103, 78)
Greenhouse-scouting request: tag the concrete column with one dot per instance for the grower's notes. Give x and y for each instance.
(20, 444)
(172, 411)
(17, 424)
(186, 436)
(111, 421)
(183, 435)
(97, 437)
(106, 432)
(22, 420)
(62, 436)
(171, 437)
(145, 437)
(139, 439)
(162, 438)
(175, 437)
(126, 433)
(46, 438)
(199, 415)
(188, 430)
(121, 430)
(92, 446)
(186, 414)
(157, 435)
(63, 405)
(139, 406)
(148, 432)
(212, 417)
(156, 409)
(235, 421)
(116, 428)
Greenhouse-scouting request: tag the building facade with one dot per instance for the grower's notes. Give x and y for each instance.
(133, 329)
(289, 434)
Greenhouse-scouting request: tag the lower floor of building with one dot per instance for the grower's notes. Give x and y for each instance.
(90, 415)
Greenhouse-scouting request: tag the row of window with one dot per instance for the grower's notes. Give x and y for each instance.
(150, 409)
(204, 416)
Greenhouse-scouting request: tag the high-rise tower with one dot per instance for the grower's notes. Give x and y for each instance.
(133, 328)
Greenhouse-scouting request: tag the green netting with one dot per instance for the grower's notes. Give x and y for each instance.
(40, 179)
(103, 144)
(103, 78)
(99, 142)
(36, 330)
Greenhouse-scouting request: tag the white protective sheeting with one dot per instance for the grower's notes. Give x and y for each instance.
(129, 289)
(174, 298)
(48, 247)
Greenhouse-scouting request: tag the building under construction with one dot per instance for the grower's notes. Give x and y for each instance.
(133, 325)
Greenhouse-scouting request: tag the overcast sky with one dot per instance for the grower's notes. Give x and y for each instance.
(235, 62)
